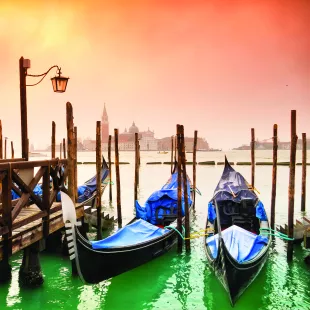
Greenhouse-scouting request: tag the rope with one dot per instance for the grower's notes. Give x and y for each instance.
(109, 182)
(194, 235)
(269, 231)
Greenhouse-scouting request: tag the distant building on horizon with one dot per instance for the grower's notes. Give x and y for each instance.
(104, 126)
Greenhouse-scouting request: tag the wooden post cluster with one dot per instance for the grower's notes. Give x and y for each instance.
(98, 178)
(304, 172)
(291, 189)
(1, 143)
(253, 156)
(182, 184)
(53, 145)
(274, 176)
(118, 184)
(110, 169)
(137, 163)
(194, 165)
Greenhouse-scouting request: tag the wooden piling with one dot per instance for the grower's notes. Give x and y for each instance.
(291, 188)
(118, 185)
(53, 144)
(64, 146)
(136, 182)
(304, 172)
(194, 166)
(60, 150)
(179, 213)
(175, 148)
(98, 178)
(185, 193)
(5, 139)
(172, 164)
(109, 159)
(1, 143)
(253, 156)
(75, 164)
(12, 150)
(5, 267)
(274, 175)
(70, 141)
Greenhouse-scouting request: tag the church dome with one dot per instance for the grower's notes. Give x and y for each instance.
(133, 128)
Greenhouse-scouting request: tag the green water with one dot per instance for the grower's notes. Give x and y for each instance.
(172, 281)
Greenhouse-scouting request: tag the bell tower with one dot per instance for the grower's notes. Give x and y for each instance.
(104, 126)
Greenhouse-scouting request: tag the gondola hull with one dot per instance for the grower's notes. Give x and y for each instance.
(98, 265)
(235, 277)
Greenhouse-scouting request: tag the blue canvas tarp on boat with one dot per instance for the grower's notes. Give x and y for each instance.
(241, 244)
(86, 190)
(137, 232)
(259, 209)
(233, 186)
(165, 200)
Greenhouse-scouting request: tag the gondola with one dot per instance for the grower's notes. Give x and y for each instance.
(86, 191)
(234, 246)
(144, 238)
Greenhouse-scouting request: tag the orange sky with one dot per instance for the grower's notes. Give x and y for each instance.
(219, 67)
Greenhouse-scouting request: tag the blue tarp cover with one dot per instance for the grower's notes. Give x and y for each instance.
(260, 212)
(166, 197)
(137, 232)
(232, 181)
(241, 244)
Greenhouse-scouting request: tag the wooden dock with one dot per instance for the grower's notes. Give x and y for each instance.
(31, 218)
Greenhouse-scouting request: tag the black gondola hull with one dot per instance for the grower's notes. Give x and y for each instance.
(98, 265)
(235, 277)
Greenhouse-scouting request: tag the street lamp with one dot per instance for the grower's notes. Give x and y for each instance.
(59, 85)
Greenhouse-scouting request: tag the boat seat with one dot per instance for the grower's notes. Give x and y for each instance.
(244, 222)
(166, 218)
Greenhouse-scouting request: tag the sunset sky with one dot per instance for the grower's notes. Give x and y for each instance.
(219, 67)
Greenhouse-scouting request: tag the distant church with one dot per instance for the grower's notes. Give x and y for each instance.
(104, 126)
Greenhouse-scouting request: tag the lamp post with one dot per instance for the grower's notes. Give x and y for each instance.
(59, 85)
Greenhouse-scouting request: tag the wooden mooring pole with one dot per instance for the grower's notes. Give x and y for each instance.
(304, 172)
(274, 175)
(185, 193)
(179, 213)
(5, 139)
(70, 141)
(194, 166)
(12, 150)
(172, 164)
(118, 183)
(60, 150)
(98, 178)
(75, 164)
(53, 145)
(136, 182)
(109, 159)
(1, 143)
(64, 147)
(5, 267)
(252, 157)
(291, 188)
